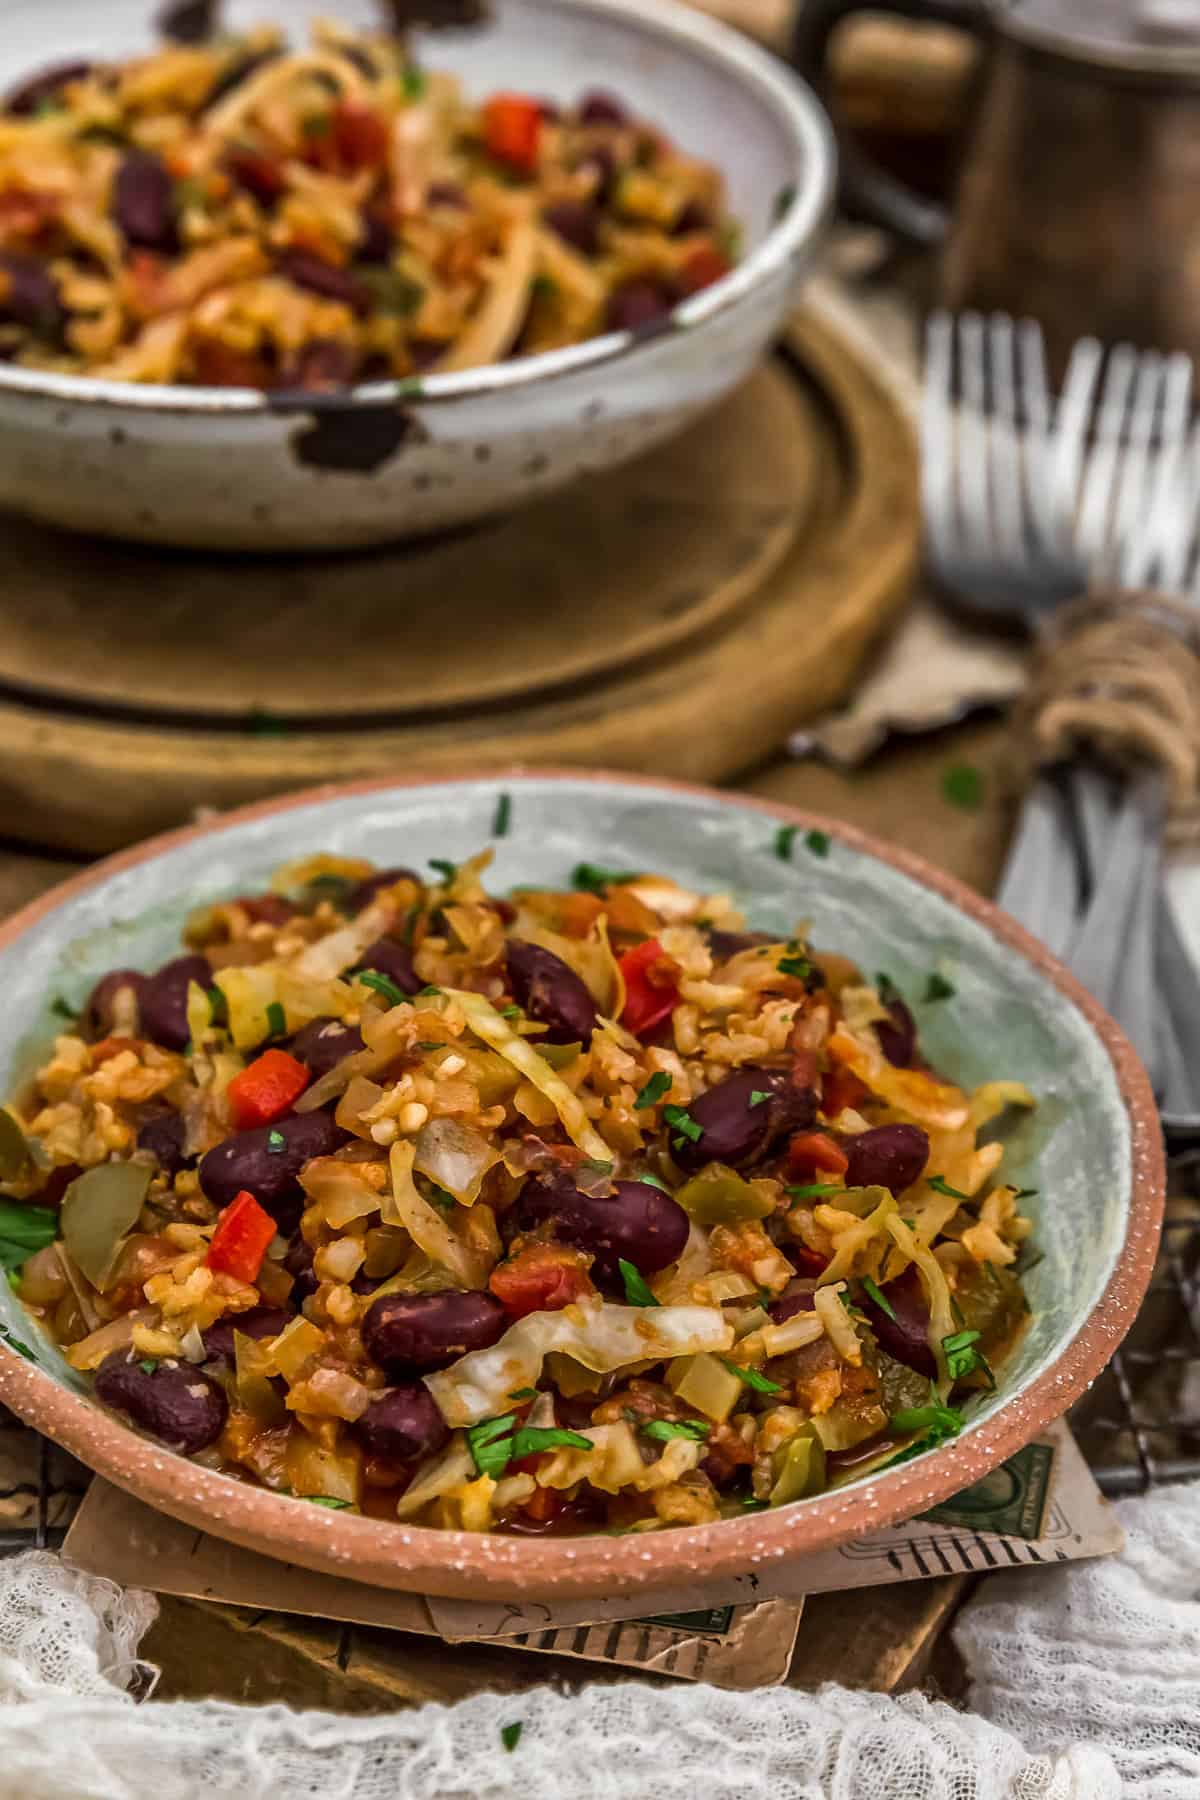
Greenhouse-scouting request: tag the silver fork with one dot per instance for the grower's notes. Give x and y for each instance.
(1027, 502)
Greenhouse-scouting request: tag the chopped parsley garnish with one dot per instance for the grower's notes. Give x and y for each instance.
(523, 1394)
(758, 1095)
(328, 1500)
(849, 1305)
(658, 1084)
(511, 1011)
(653, 1181)
(494, 1443)
(940, 1185)
(503, 814)
(813, 1190)
(886, 988)
(962, 1357)
(962, 785)
(753, 1379)
(218, 1009)
(877, 1294)
(329, 887)
(799, 966)
(935, 1422)
(428, 1045)
(393, 293)
(785, 837)
(637, 1292)
(938, 988)
(818, 842)
(62, 1009)
(447, 870)
(682, 1123)
(422, 993)
(276, 1020)
(440, 1198)
(748, 1503)
(413, 81)
(592, 1165)
(666, 1429)
(529, 1439)
(148, 1366)
(1025, 1194)
(373, 979)
(276, 1143)
(590, 878)
(510, 1735)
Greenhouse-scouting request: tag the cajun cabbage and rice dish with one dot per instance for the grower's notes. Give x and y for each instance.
(240, 214)
(570, 1211)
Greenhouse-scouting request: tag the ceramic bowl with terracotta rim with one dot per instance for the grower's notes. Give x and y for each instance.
(231, 468)
(1092, 1149)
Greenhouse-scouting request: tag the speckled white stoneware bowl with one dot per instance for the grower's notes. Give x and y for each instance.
(233, 469)
(1093, 1149)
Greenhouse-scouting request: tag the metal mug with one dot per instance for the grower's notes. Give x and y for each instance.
(1077, 193)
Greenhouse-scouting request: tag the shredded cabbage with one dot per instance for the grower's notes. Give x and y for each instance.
(937, 1292)
(450, 1468)
(918, 1096)
(487, 1024)
(455, 1156)
(600, 1336)
(425, 1225)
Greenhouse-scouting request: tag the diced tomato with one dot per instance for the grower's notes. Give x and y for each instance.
(543, 1505)
(841, 1089)
(262, 176)
(651, 986)
(812, 1150)
(267, 909)
(360, 136)
(704, 266)
(112, 1046)
(512, 130)
(240, 1241)
(540, 1278)
(808, 1262)
(221, 365)
(267, 1089)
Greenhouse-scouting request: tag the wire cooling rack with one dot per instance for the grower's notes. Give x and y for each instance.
(1139, 1426)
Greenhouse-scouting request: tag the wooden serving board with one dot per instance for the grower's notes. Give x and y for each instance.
(679, 615)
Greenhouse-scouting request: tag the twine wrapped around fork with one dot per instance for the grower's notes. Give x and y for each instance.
(1120, 672)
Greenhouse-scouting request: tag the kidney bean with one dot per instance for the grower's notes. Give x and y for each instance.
(261, 176)
(247, 1160)
(323, 366)
(601, 164)
(906, 1337)
(725, 944)
(29, 94)
(98, 1019)
(446, 193)
(427, 1331)
(258, 1322)
(402, 1425)
(637, 1222)
(890, 1156)
(144, 202)
(898, 1038)
(576, 222)
(162, 1003)
(737, 1129)
(599, 108)
(324, 278)
(388, 957)
(163, 1135)
(637, 305)
(174, 1402)
(377, 240)
(299, 1262)
(794, 1299)
(323, 1044)
(551, 992)
(360, 896)
(30, 296)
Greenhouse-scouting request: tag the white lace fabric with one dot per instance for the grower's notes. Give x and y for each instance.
(1085, 1686)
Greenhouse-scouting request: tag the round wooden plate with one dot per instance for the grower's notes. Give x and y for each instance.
(678, 616)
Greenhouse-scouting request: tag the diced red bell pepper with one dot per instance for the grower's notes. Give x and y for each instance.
(267, 909)
(240, 1241)
(112, 1046)
(651, 986)
(540, 1278)
(704, 266)
(266, 1090)
(512, 130)
(812, 1150)
(361, 136)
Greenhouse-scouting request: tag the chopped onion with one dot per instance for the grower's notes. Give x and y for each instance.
(343, 948)
(487, 1024)
(341, 1194)
(601, 1336)
(91, 1351)
(455, 1156)
(335, 1474)
(613, 1462)
(705, 1383)
(330, 1394)
(191, 1345)
(854, 1238)
(839, 1326)
(425, 1225)
(287, 1354)
(448, 1469)
(680, 1456)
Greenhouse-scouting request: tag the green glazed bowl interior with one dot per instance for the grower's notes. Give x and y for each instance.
(1091, 1149)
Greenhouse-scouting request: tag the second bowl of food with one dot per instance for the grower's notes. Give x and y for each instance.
(394, 1186)
(305, 284)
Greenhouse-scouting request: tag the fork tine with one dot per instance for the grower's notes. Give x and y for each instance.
(974, 460)
(1008, 509)
(1034, 390)
(937, 437)
(1167, 516)
(1070, 434)
(1128, 539)
(1100, 466)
